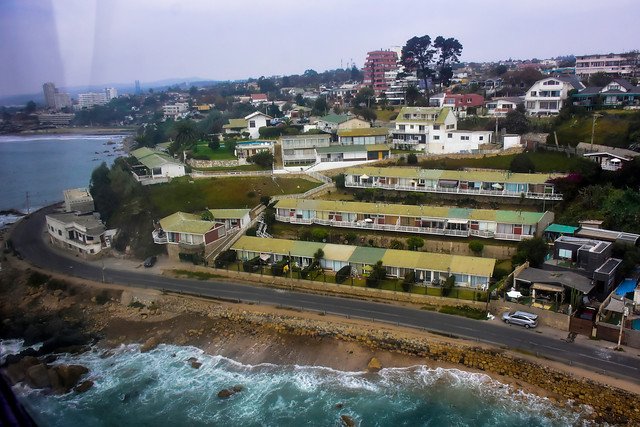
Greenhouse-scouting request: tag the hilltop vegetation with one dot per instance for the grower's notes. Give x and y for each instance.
(615, 128)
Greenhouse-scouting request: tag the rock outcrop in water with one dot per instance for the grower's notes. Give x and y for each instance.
(228, 392)
(36, 374)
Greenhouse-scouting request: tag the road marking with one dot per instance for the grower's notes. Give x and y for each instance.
(608, 361)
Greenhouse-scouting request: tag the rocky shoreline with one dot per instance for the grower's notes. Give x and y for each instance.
(89, 315)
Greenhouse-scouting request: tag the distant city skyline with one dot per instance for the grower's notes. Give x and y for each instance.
(90, 42)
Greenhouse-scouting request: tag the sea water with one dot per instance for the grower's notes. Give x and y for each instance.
(161, 388)
(45, 165)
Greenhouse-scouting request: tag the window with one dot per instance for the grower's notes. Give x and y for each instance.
(481, 138)
(565, 253)
(533, 93)
(436, 127)
(401, 127)
(464, 138)
(411, 127)
(436, 137)
(449, 135)
(252, 123)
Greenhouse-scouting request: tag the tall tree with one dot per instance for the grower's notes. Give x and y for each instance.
(417, 55)
(186, 136)
(448, 53)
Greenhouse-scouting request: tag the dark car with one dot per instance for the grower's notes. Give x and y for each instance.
(151, 261)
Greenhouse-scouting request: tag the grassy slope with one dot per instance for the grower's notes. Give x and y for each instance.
(234, 192)
(543, 161)
(219, 154)
(611, 129)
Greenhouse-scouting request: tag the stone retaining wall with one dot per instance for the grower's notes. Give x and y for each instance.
(201, 164)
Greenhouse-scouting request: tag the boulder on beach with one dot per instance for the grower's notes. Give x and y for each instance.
(374, 365)
(68, 375)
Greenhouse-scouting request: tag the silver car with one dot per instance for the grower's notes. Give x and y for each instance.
(522, 318)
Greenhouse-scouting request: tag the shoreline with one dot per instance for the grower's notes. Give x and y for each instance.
(90, 131)
(254, 334)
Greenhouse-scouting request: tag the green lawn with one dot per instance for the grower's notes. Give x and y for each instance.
(184, 194)
(202, 149)
(385, 115)
(249, 167)
(543, 161)
(612, 128)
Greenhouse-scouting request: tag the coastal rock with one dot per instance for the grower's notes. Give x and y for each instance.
(16, 371)
(347, 421)
(374, 365)
(68, 376)
(149, 344)
(37, 376)
(228, 392)
(195, 364)
(83, 386)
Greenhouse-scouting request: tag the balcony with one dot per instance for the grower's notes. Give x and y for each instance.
(455, 190)
(159, 237)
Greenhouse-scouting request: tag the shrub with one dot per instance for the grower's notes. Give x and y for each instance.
(225, 258)
(343, 274)
(351, 237)
(37, 279)
(265, 200)
(215, 144)
(415, 243)
(319, 234)
(252, 265)
(252, 231)
(476, 246)
(412, 159)
(396, 244)
(377, 275)
(339, 180)
(448, 285)
(55, 284)
(409, 280)
(251, 194)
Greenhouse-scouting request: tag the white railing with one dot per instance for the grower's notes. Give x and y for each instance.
(159, 237)
(468, 191)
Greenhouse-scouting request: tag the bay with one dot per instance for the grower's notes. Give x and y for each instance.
(45, 165)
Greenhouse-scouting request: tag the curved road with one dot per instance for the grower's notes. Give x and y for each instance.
(28, 240)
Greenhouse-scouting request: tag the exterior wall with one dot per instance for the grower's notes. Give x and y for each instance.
(362, 140)
(613, 64)
(172, 170)
(301, 149)
(82, 244)
(500, 107)
(457, 142)
(258, 121)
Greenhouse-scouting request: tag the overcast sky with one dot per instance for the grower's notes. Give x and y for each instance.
(80, 42)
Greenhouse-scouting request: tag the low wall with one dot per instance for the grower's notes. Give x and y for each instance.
(331, 288)
(213, 163)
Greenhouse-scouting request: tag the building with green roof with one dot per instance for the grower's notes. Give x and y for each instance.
(473, 272)
(493, 183)
(155, 166)
(435, 220)
(188, 233)
(333, 123)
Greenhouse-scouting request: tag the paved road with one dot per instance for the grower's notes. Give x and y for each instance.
(28, 240)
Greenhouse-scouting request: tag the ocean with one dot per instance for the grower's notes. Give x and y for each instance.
(161, 388)
(44, 165)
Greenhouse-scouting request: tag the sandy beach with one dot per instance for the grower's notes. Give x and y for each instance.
(255, 334)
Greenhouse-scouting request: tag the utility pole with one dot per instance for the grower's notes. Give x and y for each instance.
(593, 127)
(625, 312)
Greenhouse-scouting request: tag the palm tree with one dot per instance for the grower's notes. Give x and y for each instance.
(186, 136)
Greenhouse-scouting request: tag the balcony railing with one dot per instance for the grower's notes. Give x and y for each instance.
(364, 225)
(456, 190)
(159, 237)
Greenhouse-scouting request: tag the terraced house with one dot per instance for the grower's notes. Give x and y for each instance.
(479, 183)
(429, 268)
(435, 220)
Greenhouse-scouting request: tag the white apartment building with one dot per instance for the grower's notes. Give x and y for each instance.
(547, 96)
(174, 111)
(111, 93)
(614, 64)
(500, 107)
(84, 235)
(434, 130)
(90, 99)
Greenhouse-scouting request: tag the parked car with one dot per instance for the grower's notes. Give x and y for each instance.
(151, 261)
(522, 318)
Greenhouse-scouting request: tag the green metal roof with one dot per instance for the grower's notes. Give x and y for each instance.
(181, 222)
(369, 256)
(235, 124)
(437, 212)
(335, 118)
(560, 228)
(351, 148)
(415, 113)
(496, 176)
(229, 213)
(364, 132)
(366, 255)
(151, 158)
